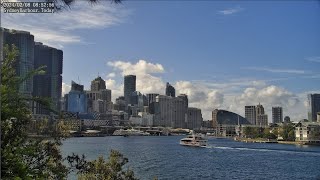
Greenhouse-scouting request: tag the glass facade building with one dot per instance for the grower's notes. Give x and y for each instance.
(48, 85)
(24, 41)
(313, 106)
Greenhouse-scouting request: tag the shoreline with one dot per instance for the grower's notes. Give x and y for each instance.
(261, 140)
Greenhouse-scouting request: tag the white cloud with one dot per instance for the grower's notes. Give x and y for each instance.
(313, 59)
(230, 11)
(111, 75)
(65, 88)
(140, 68)
(274, 70)
(57, 29)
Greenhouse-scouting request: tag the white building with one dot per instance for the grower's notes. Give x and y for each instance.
(308, 132)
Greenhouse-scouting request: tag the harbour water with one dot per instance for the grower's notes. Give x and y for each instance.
(164, 158)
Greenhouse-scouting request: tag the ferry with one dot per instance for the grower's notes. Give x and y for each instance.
(194, 140)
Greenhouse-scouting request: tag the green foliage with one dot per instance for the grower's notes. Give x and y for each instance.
(100, 168)
(258, 132)
(287, 132)
(23, 157)
(27, 158)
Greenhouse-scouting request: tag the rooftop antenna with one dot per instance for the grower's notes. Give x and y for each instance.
(79, 80)
(98, 74)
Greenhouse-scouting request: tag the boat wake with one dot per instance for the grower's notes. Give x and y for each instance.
(264, 150)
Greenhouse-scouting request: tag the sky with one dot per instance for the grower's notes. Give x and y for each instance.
(222, 54)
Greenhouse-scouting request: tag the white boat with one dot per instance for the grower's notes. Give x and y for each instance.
(130, 132)
(194, 140)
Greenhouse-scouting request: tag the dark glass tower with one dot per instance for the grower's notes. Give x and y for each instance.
(170, 91)
(48, 85)
(24, 41)
(129, 87)
(313, 106)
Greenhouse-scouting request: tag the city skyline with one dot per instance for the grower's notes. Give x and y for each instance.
(223, 55)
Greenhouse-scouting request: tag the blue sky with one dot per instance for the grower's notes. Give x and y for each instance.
(226, 54)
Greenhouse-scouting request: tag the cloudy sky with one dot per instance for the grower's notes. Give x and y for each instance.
(221, 54)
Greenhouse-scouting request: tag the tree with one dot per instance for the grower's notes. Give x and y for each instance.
(22, 157)
(100, 168)
(39, 158)
(287, 132)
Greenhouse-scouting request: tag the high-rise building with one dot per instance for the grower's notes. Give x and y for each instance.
(277, 115)
(194, 118)
(99, 98)
(129, 87)
(184, 97)
(98, 84)
(151, 97)
(137, 100)
(170, 91)
(24, 41)
(48, 85)
(250, 114)
(313, 106)
(77, 99)
(262, 120)
(170, 112)
(259, 109)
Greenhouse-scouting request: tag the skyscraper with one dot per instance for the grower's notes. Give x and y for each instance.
(277, 115)
(170, 91)
(24, 41)
(259, 109)
(99, 98)
(261, 118)
(151, 98)
(48, 85)
(98, 84)
(129, 87)
(77, 99)
(184, 97)
(250, 114)
(313, 106)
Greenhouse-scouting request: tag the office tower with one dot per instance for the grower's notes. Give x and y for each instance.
(170, 91)
(24, 41)
(313, 106)
(120, 104)
(99, 98)
(259, 109)
(77, 99)
(277, 115)
(137, 100)
(151, 97)
(262, 120)
(194, 118)
(250, 114)
(98, 84)
(170, 111)
(48, 85)
(184, 97)
(129, 87)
